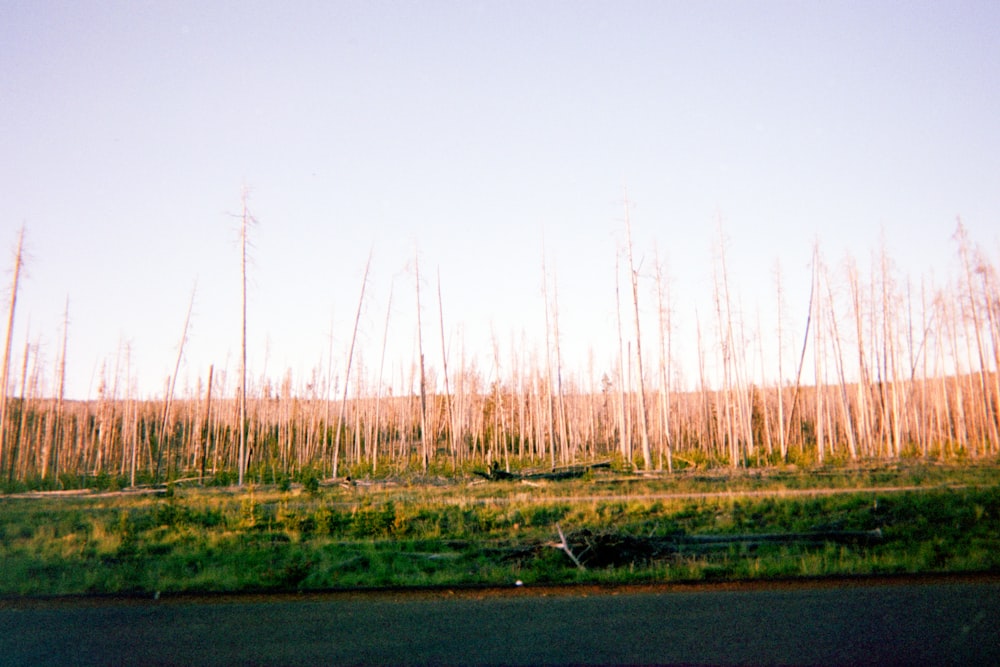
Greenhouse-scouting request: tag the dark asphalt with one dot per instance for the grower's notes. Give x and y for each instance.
(939, 623)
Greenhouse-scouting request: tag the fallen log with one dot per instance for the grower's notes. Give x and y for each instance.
(838, 536)
(495, 473)
(589, 549)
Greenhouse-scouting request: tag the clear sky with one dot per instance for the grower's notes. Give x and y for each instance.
(474, 134)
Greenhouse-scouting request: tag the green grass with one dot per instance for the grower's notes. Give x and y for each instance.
(460, 532)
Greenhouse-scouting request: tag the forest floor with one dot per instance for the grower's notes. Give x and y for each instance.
(605, 528)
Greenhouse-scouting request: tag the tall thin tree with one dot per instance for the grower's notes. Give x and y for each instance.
(378, 386)
(452, 434)
(624, 437)
(663, 310)
(347, 372)
(647, 458)
(5, 370)
(425, 443)
(246, 220)
(168, 401)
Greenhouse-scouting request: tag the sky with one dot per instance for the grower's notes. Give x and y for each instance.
(479, 141)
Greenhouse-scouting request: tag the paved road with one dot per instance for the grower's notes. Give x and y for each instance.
(937, 623)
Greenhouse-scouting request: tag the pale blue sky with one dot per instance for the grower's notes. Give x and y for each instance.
(471, 131)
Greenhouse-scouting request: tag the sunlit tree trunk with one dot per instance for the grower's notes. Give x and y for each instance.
(549, 408)
(891, 354)
(624, 437)
(865, 390)
(647, 457)
(764, 409)
(17, 455)
(341, 419)
(564, 442)
(989, 413)
(206, 432)
(168, 399)
(818, 352)
(425, 442)
(841, 377)
(704, 428)
(5, 369)
(378, 388)
(245, 221)
(802, 361)
(452, 435)
(992, 302)
(664, 312)
(782, 444)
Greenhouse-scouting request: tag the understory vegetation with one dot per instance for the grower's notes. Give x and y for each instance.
(608, 527)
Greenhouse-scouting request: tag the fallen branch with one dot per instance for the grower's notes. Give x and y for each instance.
(589, 549)
(839, 536)
(495, 473)
(565, 547)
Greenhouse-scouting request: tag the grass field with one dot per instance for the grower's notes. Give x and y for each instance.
(607, 527)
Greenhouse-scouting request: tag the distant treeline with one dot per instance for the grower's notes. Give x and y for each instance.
(894, 372)
(53, 444)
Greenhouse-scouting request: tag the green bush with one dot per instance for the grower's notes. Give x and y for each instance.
(545, 515)
(223, 478)
(309, 478)
(374, 522)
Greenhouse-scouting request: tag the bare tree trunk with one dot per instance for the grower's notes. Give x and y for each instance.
(989, 413)
(764, 411)
(205, 437)
(565, 445)
(629, 413)
(725, 323)
(378, 389)
(550, 412)
(942, 418)
(802, 356)
(57, 426)
(16, 452)
(818, 352)
(33, 437)
(246, 220)
(782, 444)
(839, 358)
(592, 436)
(520, 399)
(164, 437)
(925, 422)
(502, 429)
(665, 335)
(891, 361)
(624, 437)
(647, 457)
(958, 396)
(704, 411)
(452, 435)
(5, 370)
(328, 403)
(992, 298)
(425, 444)
(347, 372)
(865, 393)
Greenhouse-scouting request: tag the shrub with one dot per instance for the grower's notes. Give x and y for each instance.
(374, 522)
(309, 478)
